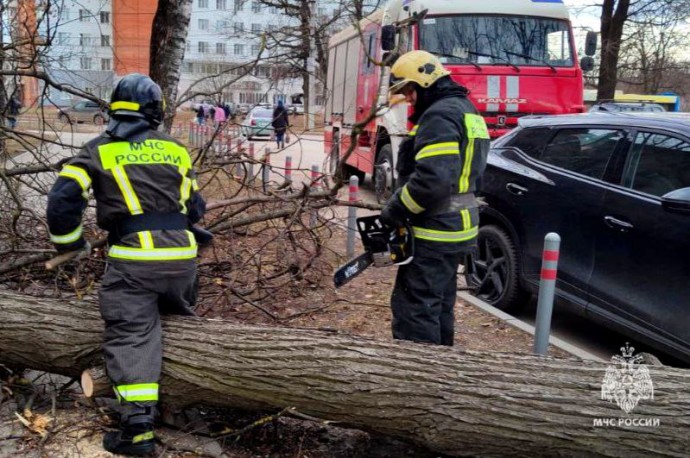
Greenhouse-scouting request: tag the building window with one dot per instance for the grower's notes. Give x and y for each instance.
(256, 28)
(105, 17)
(203, 47)
(188, 46)
(84, 40)
(221, 48)
(62, 38)
(255, 50)
(221, 25)
(105, 40)
(188, 67)
(238, 27)
(64, 14)
(83, 15)
(273, 10)
(239, 5)
(321, 11)
(203, 3)
(85, 63)
(203, 24)
(221, 5)
(256, 7)
(105, 64)
(239, 50)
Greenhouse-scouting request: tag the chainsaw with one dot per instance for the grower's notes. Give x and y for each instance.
(383, 245)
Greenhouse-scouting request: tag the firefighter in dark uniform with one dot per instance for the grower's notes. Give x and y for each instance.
(438, 167)
(146, 198)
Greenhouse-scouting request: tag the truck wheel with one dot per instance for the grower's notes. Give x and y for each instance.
(334, 166)
(383, 174)
(492, 271)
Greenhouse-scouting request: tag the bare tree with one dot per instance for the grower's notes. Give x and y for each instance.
(170, 25)
(615, 15)
(651, 51)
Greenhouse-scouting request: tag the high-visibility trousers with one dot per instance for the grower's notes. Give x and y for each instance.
(424, 295)
(132, 297)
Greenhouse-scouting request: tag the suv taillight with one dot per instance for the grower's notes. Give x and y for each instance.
(253, 123)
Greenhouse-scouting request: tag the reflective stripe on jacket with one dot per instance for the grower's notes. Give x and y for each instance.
(128, 178)
(450, 147)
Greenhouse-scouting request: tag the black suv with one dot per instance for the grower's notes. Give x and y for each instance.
(616, 188)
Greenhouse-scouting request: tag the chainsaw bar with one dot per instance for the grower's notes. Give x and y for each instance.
(354, 267)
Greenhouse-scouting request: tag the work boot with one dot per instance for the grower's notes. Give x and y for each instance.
(135, 436)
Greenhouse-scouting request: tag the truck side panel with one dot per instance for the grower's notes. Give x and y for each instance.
(351, 81)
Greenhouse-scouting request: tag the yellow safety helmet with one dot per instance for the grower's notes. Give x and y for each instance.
(418, 67)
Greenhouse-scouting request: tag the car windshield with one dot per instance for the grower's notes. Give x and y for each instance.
(500, 40)
(262, 113)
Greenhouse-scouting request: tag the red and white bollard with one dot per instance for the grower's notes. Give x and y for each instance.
(547, 291)
(352, 216)
(315, 176)
(288, 168)
(265, 167)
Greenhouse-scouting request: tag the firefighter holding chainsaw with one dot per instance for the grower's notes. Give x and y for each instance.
(146, 198)
(438, 167)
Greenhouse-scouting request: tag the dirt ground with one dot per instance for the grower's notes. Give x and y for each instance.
(64, 424)
(61, 423)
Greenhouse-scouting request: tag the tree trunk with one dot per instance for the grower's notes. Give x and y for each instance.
(453, 402)
(4, 106)
(613, 17)
(168, 40)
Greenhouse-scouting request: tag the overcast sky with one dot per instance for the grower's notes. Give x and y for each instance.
(583, 14)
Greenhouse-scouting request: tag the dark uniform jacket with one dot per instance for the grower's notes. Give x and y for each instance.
(153, 176)
(438, 166)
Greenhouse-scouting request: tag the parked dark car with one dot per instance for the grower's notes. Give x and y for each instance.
(616, 188)
(84, 111)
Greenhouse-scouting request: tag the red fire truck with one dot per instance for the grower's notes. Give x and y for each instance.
(517, 58)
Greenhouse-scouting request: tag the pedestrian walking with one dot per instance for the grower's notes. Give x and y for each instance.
(200, 115)
(219, 116)
(280, 123)
(14, 107)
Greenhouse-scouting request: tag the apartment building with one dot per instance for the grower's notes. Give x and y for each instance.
(93, 42)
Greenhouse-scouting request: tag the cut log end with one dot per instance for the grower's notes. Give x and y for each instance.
(95, 384)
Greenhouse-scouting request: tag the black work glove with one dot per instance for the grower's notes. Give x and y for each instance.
(394, 213)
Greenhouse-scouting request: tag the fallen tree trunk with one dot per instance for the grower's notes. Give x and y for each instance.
(459, 403)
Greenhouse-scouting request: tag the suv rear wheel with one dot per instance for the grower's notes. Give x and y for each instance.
(492, 273)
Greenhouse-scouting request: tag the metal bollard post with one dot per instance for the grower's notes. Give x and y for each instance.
(352, 216)
(315, 174)
(265, 169)
(547, 289)
(190, 138)
(288, 168)
(250, 166)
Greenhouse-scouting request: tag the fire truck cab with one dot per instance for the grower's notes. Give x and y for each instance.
(516, 57)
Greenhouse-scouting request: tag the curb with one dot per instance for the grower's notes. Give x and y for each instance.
(521, 325)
